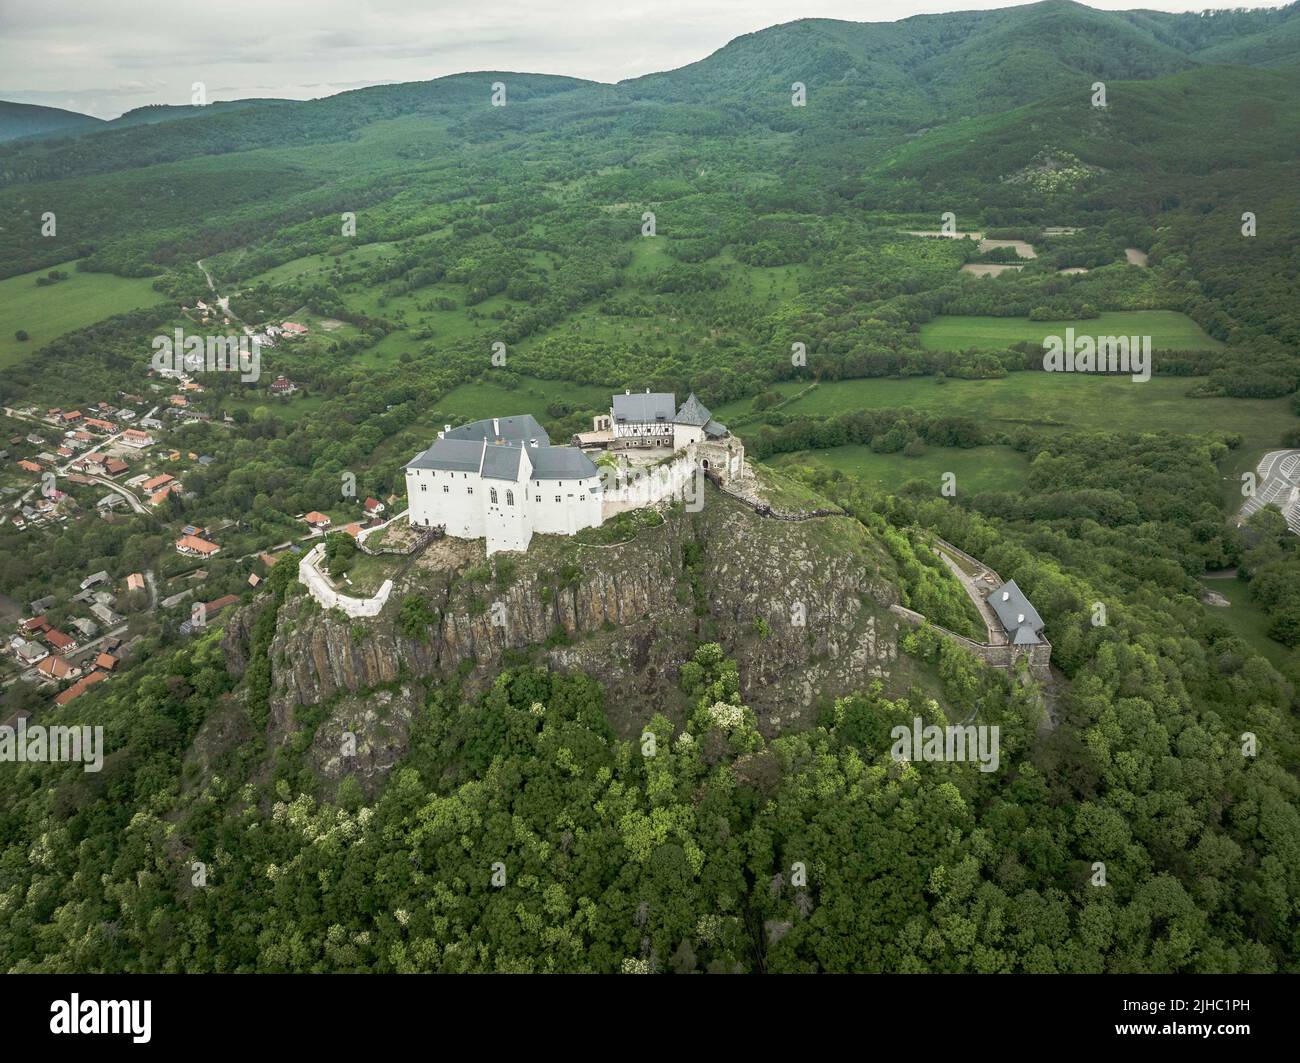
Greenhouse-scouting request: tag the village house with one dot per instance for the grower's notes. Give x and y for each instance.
(80, 687)
(58, 641)
(283, 386)
(317, 519)
(29, 653)
(57, 669)
(86, 627)
(210, 610)
(105, 615)
(193, 546)
(374, 507)
(133, 437)
(154, 483)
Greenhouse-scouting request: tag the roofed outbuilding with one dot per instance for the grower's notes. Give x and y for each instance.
(1023, 625)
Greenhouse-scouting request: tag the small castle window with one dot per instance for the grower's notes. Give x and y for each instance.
(557, 498)
(446, 489)
(469, 490)
(492, 492)
(510, 497)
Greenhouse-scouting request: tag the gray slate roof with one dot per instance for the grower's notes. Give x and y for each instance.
(455, 455)
(652, 406)
(714, 430)
(560, 463)
(501, 461)
(1020, 619)
(523, 427)
(693, 412)
(504, 461)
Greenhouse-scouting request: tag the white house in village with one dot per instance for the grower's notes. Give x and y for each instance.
(500, 479)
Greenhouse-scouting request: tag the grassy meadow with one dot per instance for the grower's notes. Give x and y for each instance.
(1064, 401)
(1168, 329)
(977, 469)
(45, 313)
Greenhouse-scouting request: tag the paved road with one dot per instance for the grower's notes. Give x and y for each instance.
(996, 636)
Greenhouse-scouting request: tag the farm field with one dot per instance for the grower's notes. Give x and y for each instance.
(1046, 400)
(48, 312)
(1168, 329)
(977, 469)
(314, 265)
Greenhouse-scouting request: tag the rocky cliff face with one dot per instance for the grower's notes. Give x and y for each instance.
(802, 605)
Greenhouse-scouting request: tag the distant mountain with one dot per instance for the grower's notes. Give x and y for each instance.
(945, 66)
(164, 112)
(245, 125)
(1199, 122)
(30, 120)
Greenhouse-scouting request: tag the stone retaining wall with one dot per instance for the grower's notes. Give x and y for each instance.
(1038, 655)
(316, 583)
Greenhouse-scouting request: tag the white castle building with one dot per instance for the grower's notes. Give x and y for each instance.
(500, 479)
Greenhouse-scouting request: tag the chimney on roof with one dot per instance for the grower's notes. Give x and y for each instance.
(647, 391)
(496, 429)
(1006, 596)
(627, 391)
(1020, 618)
(446, 428)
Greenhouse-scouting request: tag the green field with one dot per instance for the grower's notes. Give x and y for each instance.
(49, 312)
(1047, 400)
(1168, 329)
(977, 469)
(1250, 623)
(472, 402)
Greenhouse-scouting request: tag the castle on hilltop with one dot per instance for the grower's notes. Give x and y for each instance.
(500, 479)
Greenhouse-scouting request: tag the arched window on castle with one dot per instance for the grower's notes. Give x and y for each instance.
(493, 492)
(510, 497)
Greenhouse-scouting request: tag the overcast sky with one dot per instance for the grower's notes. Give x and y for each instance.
(103, 57)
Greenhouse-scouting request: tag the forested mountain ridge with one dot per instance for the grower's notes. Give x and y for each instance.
(31, 120)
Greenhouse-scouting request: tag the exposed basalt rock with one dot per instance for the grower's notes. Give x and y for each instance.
(238, 638)
(365, 735)
(802, 605)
